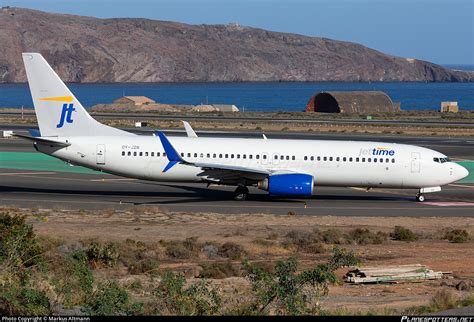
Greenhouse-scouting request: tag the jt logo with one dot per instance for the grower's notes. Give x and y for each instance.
(66, 114)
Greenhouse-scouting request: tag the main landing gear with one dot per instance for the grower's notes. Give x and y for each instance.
(240, 194)
(420, 197)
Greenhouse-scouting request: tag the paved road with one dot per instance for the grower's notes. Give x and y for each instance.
(249, 118)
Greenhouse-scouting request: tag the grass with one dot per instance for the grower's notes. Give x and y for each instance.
(443, 300)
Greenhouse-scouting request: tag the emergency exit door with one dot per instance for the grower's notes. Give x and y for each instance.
(415, 162)
(100, 154)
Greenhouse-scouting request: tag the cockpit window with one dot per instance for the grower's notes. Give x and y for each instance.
(441, 160)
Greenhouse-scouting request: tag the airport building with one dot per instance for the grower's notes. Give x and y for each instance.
(351, 102)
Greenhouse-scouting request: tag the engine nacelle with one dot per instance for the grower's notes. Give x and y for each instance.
(289, 184)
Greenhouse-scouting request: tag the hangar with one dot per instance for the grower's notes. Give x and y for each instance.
(351, 102)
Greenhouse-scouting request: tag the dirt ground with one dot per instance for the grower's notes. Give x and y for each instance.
(152, 225)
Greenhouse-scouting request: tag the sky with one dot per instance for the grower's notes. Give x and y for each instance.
(440, 31)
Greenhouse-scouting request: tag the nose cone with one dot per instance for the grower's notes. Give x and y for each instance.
(460, 172)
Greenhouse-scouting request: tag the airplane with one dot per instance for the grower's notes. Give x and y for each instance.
(283, 167)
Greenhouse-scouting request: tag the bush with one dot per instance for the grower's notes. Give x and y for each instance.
(303, 241)
(403, 234)
(111, 299)
(74, 282)
(218, 270)
(365, 236)
(287, 293)
(457, 236)
(148, 266)
(102, 254)
(186, 249)
(231, 250)
(173, 298)
(19, 300)
(19, 247)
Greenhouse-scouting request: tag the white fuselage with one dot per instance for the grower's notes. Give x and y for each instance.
(331, 163)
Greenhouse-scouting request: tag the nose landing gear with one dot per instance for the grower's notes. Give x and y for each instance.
(420, 197)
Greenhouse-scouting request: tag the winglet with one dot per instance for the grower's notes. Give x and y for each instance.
(171, 154)
(264, 136)
(189, 130)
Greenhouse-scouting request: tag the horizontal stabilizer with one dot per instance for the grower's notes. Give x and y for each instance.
(42, 140)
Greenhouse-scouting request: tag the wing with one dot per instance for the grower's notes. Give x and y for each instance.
(212, 171)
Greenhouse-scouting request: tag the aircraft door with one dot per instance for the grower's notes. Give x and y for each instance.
(415, 162)
(100, 154)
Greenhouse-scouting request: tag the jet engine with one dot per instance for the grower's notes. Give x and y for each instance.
(288, 184)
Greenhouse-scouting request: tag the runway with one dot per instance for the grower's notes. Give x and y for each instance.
(58, 190)
(55, 185)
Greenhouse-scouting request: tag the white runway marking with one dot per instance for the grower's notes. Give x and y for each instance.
(461, 185)
(449, 203)
(23, 173)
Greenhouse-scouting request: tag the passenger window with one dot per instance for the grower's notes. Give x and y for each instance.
(350, 159)
(201, 155)
(312, 158)
(135, 154)
(381, 159)
(244, 156)
(238, 156)
(330, 158)
(337, 159)
(153, 154)
(305, 158)
(158, 154)
(363, 159)
(369, 160)
(189, 155)
(257, 156)
(141, 154)
(129, 153)
(344, 159)
(250, 156)
(164, 154)
(123, 153)
(282, 157)
(214, 155)
(319, 158)
(265, 156)
(208, 155)
(387, 160)
(293, 158)
(146, 154)
(393, 160)
(231, 156)
(195, 155)
(220, 156)
(226, 156)
(325, 159)
(375, 159)
(357, 159)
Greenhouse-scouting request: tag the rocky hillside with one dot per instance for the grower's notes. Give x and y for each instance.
(86, 49)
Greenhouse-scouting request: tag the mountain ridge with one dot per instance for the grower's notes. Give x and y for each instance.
(88, 49)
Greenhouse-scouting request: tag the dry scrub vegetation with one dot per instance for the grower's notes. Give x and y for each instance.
(144, 261)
